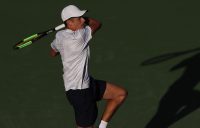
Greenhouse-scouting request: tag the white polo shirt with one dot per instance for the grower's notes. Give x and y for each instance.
(74, 50)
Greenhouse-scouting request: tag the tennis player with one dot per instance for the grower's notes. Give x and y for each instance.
(82, 90)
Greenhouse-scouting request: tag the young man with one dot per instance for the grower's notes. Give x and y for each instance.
(82, 90)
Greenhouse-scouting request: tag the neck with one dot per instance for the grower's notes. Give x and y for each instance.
(74, 28)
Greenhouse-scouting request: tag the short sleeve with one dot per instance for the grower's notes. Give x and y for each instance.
(88, 33)
(53, 45)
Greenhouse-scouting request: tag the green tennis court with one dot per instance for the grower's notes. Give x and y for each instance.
(149, 47)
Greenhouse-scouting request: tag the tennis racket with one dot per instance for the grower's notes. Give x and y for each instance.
(31, 39)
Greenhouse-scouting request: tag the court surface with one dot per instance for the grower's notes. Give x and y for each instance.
(145, 46)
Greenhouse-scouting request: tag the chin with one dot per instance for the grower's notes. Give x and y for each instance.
(82, 26)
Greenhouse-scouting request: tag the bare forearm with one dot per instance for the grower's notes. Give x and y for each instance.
(93, 23)
(53, 53)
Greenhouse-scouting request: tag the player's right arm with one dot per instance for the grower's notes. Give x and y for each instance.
(93, 23)
(53, 53)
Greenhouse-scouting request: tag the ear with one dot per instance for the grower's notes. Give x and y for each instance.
(69, 23)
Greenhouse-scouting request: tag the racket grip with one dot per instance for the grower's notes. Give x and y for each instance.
(60, 27)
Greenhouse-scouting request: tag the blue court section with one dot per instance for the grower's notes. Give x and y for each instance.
(149, 47)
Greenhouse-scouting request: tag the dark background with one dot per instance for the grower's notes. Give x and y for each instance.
(139, 43)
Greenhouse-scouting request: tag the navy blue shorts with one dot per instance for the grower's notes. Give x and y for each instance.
(84, 102)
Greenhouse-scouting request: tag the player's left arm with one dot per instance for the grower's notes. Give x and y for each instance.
(94, 24)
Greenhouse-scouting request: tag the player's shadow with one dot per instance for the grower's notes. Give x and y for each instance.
(181, 98)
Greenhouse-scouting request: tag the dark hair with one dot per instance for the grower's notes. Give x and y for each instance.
(65, 23)
(86, 20)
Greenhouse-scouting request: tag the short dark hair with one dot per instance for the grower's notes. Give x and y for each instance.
(65, 22)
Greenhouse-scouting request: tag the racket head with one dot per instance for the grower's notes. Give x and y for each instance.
(31, 39)
(25, 42)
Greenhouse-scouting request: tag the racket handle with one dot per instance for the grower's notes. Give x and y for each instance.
(60, 27)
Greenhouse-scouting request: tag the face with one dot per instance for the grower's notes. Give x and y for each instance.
(76, 23)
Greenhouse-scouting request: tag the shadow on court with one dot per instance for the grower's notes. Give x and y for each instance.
(181, 98)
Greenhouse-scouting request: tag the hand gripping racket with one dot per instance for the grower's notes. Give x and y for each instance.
(31, 39)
